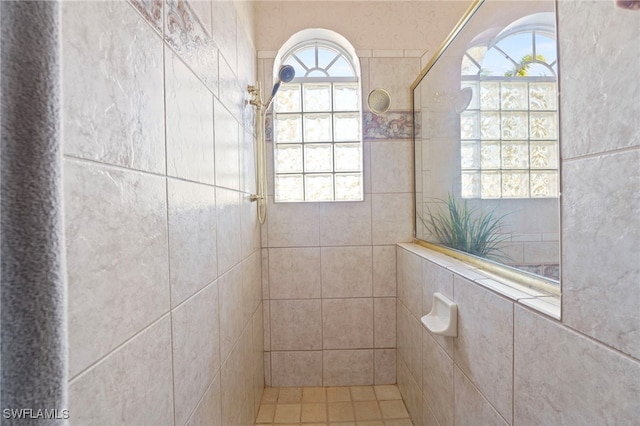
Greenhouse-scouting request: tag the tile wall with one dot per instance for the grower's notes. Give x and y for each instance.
(329, 269)
(163, 245)
(512, 365)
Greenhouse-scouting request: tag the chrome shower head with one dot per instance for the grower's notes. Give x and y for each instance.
(285, 75)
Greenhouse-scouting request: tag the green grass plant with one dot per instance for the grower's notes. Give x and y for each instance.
(466, 229)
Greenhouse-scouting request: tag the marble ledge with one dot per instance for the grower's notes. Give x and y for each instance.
(542, 302)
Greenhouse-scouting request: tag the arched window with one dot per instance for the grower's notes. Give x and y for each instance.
(318, 121)
(509, 130)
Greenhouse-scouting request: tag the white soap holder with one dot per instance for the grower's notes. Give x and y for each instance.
(443, 318)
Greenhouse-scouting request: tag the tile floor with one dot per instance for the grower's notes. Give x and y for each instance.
(349, 405)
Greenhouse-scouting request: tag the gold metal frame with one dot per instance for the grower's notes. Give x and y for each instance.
(509, 275)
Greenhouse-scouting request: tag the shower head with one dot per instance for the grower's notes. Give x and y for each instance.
(285, 75)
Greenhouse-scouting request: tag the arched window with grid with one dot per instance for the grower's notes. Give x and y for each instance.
(509, 130)
(317, 124)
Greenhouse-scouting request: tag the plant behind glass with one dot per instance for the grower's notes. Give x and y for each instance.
(463, 228)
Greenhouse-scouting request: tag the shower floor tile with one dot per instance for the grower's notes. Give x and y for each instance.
(329, 406)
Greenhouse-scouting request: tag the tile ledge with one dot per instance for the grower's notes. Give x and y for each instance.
(543, 303)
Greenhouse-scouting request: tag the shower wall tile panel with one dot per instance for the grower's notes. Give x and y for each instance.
(112, 103)
(384, 366)
(471, 406)
(508, 364)
(196, 349)
(347, 272)
(189, 121)
(296, 368)
(591, 382)
(230, 297)
(191, 40)
(437, 379)
(227, 148)
(384, 322)
(225, 30)
(116, 238)
(485, 353)
(192, 237)
(347, 323)
(163, 247)
(602, 122)
(601, 202)
(356, 239)
(294, 273)
(209, 410)
(347, 367)
(614, 186)
(229, 249)
(296, 325)
(133, 383)
(391, 168)
(384, 271)
(345, 224)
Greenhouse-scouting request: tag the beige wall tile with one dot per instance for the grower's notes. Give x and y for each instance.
(385, 367)
(296, 325)
(391, 168)
(591, 382)
(225, 30)
(395, 75)
(230, 299)
(122, 122)
(437, 379)
(411, 392)
(608, 127)
(249, 226)
(347, 323)
(410, 281)
(347, 367)
(484, 346)
(294, 273)
(391, 218)
(296, 368)
(347, 272)
(293, 225)
(345, 223)
(384, 320)
(196, 349)
(227, 156)
(134, 381)
(189, 123)
(116, 241)
(428, 419)
(470, 406)
(600, 292)
(209, 410)
(384, 271)
(233, 384)
(228, 230)
(192, 237)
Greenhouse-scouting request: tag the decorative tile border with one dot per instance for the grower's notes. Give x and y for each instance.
(189, 38)
(390, 125)
(183, 31)
(151, 10)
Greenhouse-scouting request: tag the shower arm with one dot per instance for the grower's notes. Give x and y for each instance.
(261, 150)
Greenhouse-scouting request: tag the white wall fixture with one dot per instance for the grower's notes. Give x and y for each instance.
(443, 318)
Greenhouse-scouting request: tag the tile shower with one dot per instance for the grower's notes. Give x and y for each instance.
(182, 308)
